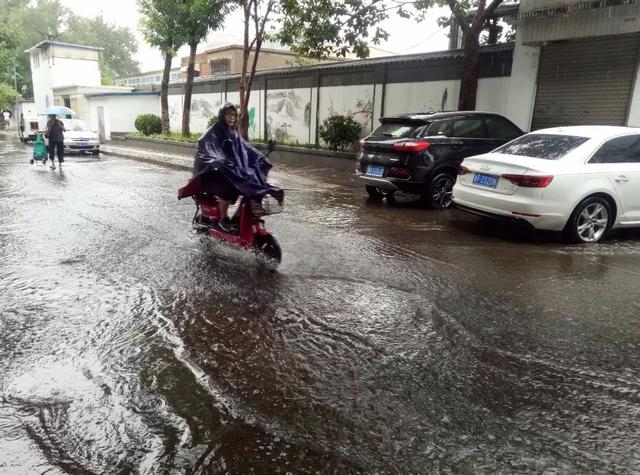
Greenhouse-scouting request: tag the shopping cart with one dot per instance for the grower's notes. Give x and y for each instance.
(39, 149)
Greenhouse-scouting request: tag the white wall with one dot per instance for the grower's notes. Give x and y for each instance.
(204, 106)
(634, 108)
(493, 95)
(289, 115)
(41, 78)
(522, 84)
(175, 112)
(120, 111)
(75, 72)
(355, 101)
(421, 97)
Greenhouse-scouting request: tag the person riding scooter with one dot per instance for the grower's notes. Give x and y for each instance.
(228, 166)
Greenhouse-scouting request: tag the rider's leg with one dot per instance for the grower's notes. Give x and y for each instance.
(223, 206)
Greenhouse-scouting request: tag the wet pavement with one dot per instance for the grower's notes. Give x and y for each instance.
(393, 339)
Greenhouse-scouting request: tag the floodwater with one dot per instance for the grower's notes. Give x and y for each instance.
(392, 339)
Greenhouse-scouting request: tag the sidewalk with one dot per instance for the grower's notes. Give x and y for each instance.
(172, 160)
(320, 174)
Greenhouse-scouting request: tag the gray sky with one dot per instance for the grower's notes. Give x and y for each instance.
(406, 36)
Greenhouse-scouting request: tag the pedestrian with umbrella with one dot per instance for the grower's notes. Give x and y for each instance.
(55, 133)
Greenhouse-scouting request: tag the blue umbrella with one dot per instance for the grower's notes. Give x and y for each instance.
(57, 110)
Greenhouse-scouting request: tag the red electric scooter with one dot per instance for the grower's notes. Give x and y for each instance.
(247, 230)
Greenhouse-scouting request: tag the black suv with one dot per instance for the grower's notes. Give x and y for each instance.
(420, 153)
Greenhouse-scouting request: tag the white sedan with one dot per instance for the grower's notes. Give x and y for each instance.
(581, 180)
(78, 137)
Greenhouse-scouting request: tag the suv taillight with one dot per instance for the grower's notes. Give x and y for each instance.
(411, 146)
(399, 172)
(529, 181)
(361, 144)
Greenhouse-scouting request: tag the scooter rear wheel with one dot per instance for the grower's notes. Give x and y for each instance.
(268, 250)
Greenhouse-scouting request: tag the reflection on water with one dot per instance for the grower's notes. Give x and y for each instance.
(389, 341)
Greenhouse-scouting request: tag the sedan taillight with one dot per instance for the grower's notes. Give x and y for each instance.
(411, 146)
(529, 181)
(462, 170)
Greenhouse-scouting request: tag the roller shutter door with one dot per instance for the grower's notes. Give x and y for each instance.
(586, 82)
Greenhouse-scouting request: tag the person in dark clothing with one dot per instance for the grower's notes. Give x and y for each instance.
(55, 133)
(229, 166)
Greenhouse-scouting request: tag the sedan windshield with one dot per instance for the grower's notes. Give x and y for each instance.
(75, 125)
(397, 130)
(546, 146)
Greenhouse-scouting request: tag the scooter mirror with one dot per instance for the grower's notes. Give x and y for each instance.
(271, 145)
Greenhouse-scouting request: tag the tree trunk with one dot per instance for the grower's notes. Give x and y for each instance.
(470, 71)
(243, 118)
(243, 115)
(188, 89)
(164, 94)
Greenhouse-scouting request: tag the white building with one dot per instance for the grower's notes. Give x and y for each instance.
(148, 78)
(55, 64)
(68, 75)
(576, 62)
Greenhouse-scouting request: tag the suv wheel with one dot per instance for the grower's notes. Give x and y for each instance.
(440, 191)
(374, 192)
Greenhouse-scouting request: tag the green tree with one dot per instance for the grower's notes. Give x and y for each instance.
(198, 18)
(119, 44)
(313, 27)
(161, 28)
(257, 14)
(40, 20)
(321, 27)
(24, 24)
(472, 16)
(8, 96)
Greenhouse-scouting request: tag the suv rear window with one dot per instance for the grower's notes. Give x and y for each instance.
(397, 130)
(546, 146)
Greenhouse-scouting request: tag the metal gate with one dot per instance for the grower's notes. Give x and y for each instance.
(586, 82)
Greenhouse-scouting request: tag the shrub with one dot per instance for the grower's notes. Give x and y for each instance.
(212, 121)
(148, 124)
(340, 132)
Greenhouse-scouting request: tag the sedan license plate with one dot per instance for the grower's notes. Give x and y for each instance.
(375, 170)
(490, 181)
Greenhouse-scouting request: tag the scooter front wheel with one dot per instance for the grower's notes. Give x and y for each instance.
(268, 250)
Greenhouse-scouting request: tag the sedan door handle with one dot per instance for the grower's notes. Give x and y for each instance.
(622, 179)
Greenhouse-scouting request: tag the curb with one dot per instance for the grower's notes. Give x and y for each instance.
(151, 142)
(154, 161)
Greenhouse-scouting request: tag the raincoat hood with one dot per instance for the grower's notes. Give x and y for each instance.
(227, 106)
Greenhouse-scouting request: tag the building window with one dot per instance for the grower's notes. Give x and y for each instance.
(220, 66)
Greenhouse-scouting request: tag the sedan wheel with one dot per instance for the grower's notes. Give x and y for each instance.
(589, 221)
(441, 191)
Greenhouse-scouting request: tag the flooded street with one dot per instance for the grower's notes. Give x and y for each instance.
(392, 339)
